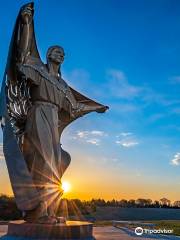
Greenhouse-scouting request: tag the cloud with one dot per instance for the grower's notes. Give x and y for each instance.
(126, 139)
(127, 143)
(138, 174)
(1, 152)
(98, 133)
(176, 160)
(120, 87)
(83, 134)
(125, 134)
(124, 107)
(155, 117)
(165, 146)
(115, 160)
(92, 137)
(78, 78)
(93, 141)
(176, 110)
(175, 79)
(151, 96)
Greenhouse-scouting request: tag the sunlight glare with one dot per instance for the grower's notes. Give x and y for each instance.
(66, 186)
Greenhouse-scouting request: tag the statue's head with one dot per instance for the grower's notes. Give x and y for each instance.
(55, 54)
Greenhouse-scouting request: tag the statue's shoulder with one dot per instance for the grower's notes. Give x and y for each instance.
(36, 64)
(34, 67)
(33, 61)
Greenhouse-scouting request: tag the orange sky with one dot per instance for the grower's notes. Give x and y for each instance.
(92, 179)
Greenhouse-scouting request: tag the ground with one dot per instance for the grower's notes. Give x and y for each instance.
(104, 233)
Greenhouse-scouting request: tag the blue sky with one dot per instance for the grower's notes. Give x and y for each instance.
(125, 54)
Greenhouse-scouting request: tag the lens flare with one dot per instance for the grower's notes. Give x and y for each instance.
(66, 186)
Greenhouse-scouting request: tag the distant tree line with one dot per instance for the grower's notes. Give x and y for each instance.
(139, 203)
(78, 208)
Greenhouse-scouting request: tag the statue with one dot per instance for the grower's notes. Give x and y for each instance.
(36, 105)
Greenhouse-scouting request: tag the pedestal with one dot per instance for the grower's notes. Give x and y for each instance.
(70, 230)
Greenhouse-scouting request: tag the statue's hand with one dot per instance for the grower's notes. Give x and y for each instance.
(27, 13)
(102, 109)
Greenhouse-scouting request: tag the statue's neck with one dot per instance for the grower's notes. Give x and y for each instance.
(54, 69)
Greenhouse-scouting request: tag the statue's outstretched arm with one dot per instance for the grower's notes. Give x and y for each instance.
(16, 89)
(83, 108)
(82, 105)
(25, 32)
(78, 107)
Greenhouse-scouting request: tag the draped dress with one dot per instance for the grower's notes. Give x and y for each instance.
(31, 134)
(45, 158)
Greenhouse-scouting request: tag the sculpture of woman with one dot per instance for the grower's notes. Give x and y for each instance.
(37, 104)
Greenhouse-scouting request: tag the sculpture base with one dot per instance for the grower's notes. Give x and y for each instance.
(69, 230)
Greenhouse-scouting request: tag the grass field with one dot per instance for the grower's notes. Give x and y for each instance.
(162, 224)
(168, 224)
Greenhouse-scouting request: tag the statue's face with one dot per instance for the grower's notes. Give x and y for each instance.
(57, 56)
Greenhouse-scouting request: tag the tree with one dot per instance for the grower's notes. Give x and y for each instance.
(123, 203)
(177, 204)
(156, 204)
(141, 202)
(165, 202)
(131, 203)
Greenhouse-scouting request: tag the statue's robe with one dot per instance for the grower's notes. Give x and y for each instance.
(50, 99)
(51, 111)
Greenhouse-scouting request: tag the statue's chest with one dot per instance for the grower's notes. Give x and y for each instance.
(49, 90)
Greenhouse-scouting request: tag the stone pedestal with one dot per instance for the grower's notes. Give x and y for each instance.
(70, 230)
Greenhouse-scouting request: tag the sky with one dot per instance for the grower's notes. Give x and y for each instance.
(124, 54)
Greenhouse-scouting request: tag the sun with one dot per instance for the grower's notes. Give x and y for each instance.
(66, 186)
